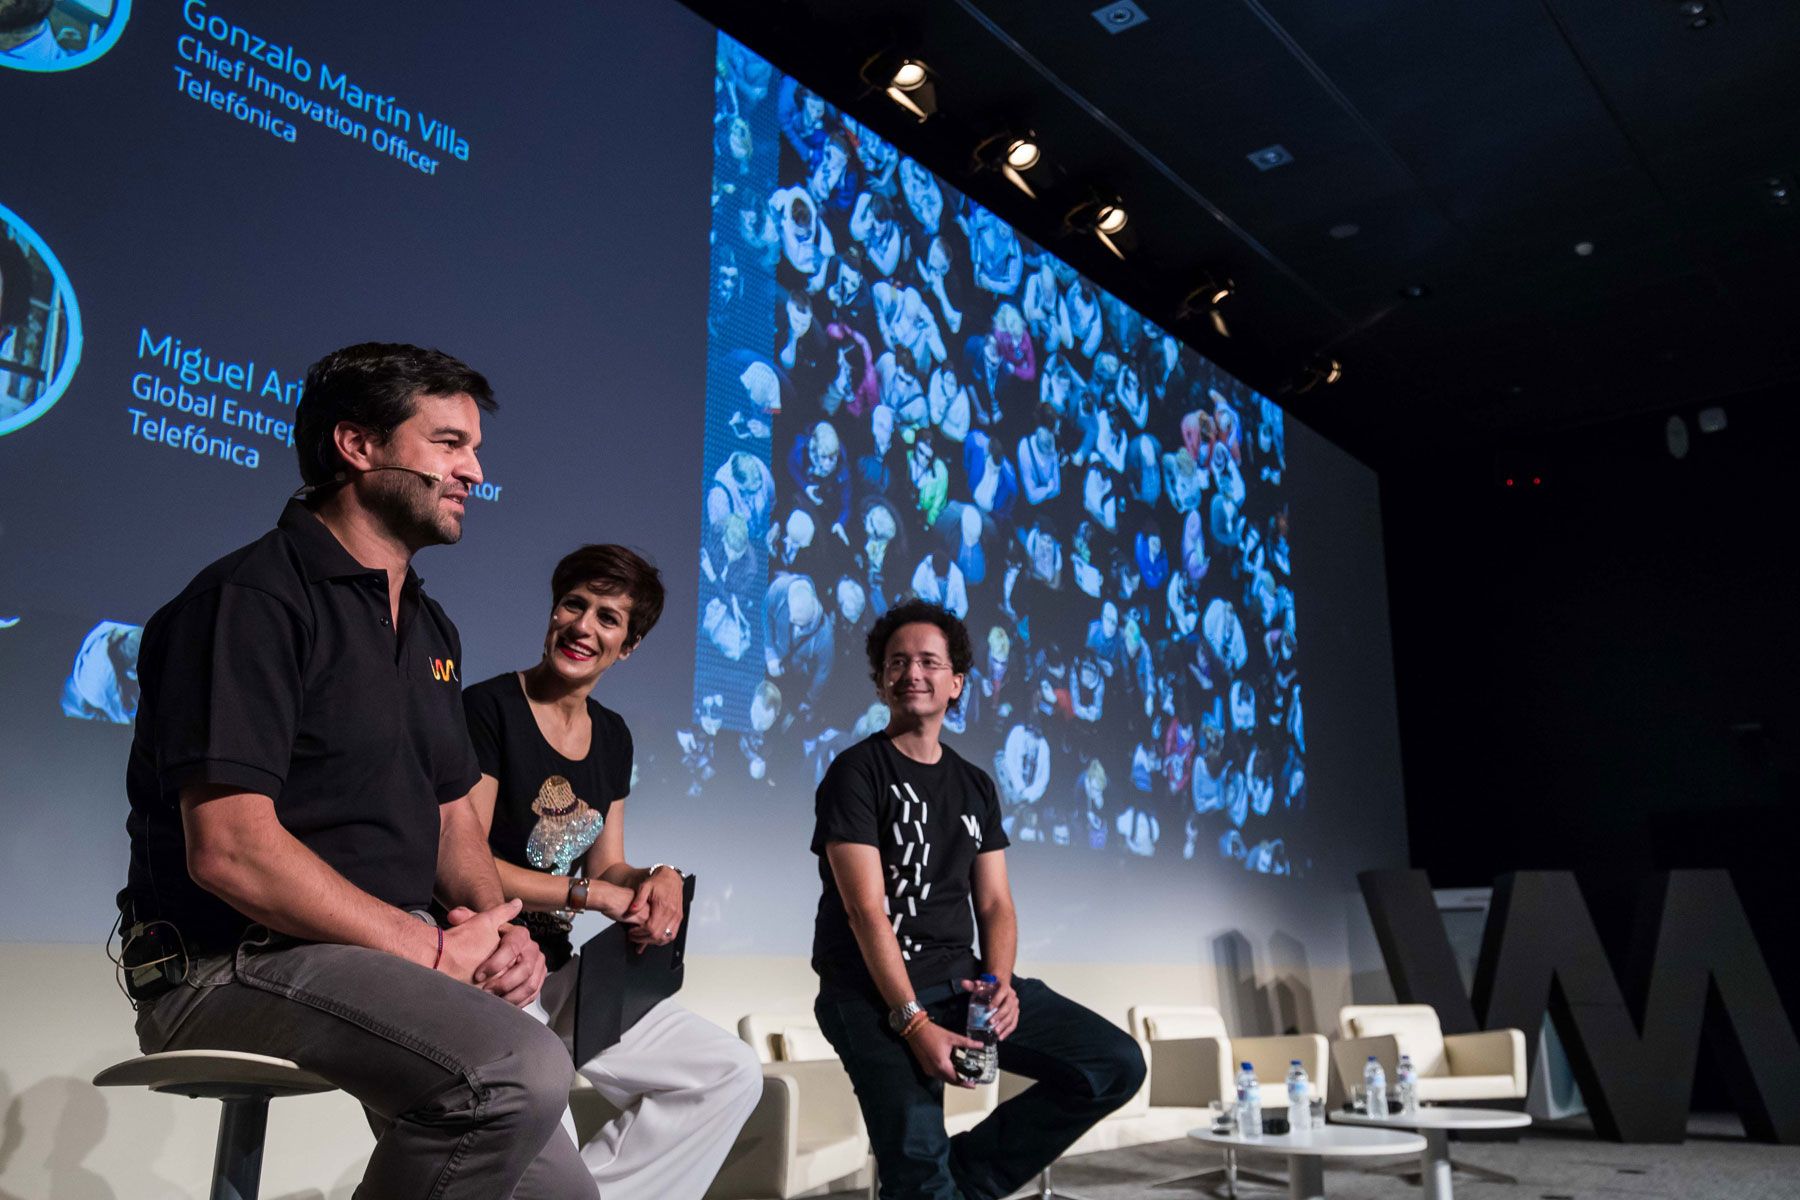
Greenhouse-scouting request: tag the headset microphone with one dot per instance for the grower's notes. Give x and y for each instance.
(433, 476)
(340, 478)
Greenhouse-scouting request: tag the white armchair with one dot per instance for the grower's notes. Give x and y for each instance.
(1194, 1061)
(1461, 1066)
(785, 1037)
(806, 1133)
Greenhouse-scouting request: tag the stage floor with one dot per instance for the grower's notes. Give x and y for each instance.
(1558, 1161)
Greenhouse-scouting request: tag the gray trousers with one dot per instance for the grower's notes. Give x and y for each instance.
(465, 1092)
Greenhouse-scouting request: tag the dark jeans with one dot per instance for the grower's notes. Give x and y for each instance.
(1084, 1065)
(465, 1092)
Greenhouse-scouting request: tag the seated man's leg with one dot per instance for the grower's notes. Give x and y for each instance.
(684, 1087)
(903, 1109)
(1085, 1067)
(466, 1089)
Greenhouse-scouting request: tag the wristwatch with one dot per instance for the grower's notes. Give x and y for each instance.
(900, 1018)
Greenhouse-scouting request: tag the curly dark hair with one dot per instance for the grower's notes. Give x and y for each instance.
(962, 654)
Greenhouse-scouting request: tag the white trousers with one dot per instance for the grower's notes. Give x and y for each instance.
(683, 1088)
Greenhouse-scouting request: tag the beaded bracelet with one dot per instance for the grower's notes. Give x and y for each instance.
(919, 1020)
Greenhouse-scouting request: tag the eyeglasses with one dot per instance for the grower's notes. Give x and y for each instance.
(897, 664)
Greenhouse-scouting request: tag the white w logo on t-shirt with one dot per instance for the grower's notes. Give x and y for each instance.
(973, 825)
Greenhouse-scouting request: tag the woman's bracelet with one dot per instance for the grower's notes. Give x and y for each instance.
(919, 1021)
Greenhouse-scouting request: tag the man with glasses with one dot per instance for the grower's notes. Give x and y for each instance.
(912, 859)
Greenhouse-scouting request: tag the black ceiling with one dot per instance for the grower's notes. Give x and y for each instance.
(1471, 146)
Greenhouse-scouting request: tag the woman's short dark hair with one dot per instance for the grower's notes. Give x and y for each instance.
(374, 385)
(613, 570)
(915, 612)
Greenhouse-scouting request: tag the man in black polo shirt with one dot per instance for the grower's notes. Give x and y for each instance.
(909, 840)
(298, 786)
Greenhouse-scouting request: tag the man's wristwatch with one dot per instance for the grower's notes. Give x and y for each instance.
(900, 1018)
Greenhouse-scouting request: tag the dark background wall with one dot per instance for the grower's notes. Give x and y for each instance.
(1598, 672)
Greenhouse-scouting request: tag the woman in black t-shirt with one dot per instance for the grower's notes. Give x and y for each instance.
(555, 771)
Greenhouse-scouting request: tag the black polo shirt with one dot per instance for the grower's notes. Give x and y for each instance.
(278, 671)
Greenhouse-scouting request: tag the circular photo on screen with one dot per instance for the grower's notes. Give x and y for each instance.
(40, 326)
(58, 35)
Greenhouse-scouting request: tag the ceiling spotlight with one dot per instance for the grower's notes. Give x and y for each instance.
(905, 81)
(1321, 370)
(1022, 154)
(1205, 299)
(909, 75)
(1105, 219)
(1211, 292)
(1011, 152)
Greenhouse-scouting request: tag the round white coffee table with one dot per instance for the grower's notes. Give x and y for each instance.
(1307, 1151)
(1435, 1124)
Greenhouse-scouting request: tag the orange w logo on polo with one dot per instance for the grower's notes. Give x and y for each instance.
(444, 670)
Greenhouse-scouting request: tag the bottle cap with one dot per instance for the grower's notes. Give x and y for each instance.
(1371, 1058)
(1293, 1062)
(989, 979)
(1245, 1066)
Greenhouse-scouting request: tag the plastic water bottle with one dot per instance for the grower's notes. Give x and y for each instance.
(1406, 1084)
(1249, 1102)
(1375, 1087)
(981, 1028)
(1299, 1098)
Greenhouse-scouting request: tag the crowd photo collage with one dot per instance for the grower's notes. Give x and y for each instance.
(908, 399)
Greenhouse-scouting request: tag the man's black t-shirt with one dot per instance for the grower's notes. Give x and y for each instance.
(278, 671)
(549, 809)
(928, 821)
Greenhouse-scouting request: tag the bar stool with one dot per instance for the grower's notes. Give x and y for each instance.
(242, 1083)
